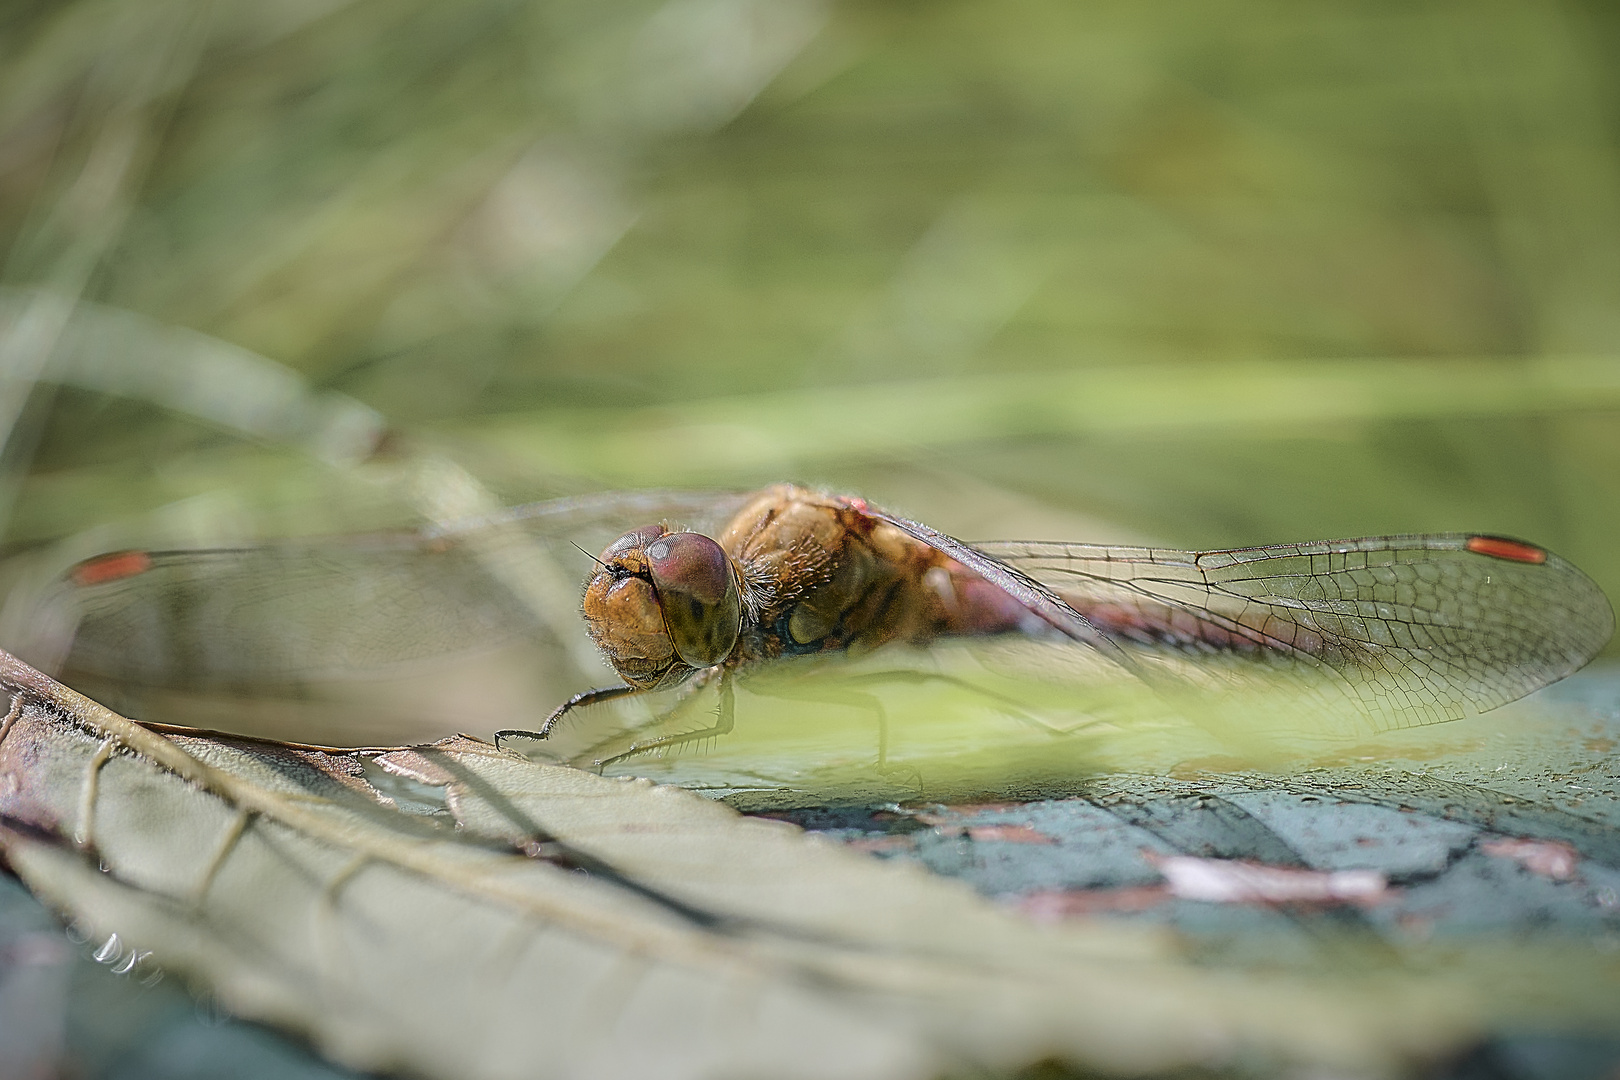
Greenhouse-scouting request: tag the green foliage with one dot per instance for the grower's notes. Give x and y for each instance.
(503, 214)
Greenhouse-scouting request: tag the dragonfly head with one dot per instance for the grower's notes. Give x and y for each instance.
(663, 601)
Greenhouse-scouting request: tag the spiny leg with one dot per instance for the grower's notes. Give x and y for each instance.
(684, 696)
(725, 714)
(579, 701)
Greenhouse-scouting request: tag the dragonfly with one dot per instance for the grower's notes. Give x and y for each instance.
(1396, 630)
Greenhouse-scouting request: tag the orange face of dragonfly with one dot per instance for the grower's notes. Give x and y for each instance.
(664, 603)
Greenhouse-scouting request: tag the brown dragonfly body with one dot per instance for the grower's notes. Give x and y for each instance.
(1406, 629)
(811, 573)
(1392, 631)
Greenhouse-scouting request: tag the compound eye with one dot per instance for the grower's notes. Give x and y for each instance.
(631, 543)
(698, 592)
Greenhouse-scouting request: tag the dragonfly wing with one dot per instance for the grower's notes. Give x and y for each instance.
(1033, 594)
(272, 616)
(258, 617)
(1407, 630)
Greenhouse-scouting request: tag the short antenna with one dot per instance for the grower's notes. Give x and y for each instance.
(591, 557)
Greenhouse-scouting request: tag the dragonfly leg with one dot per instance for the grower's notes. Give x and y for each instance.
(578, 701)
(725, 715)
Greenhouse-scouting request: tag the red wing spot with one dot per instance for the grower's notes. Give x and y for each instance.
(1498, 547)
(105, 568)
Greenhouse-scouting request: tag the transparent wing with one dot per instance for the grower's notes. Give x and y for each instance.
(262, 618)
(1406, 630)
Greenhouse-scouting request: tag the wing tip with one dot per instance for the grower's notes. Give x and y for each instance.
(1506, 548)
(114, 566)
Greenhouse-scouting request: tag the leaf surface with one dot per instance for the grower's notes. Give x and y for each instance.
(449, 910)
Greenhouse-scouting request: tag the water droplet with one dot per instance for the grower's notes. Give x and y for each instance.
(135, 957)
(109, 950)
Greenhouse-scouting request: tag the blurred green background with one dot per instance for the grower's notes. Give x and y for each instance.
(1208, 273)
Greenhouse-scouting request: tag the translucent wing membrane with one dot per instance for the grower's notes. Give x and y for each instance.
(268, 617)
(255, 617)
(1404, 630)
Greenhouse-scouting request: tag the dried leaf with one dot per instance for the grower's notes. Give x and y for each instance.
(453, 911)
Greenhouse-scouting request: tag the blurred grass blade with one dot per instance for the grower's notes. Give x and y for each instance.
(120, 352)
(809, 428)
